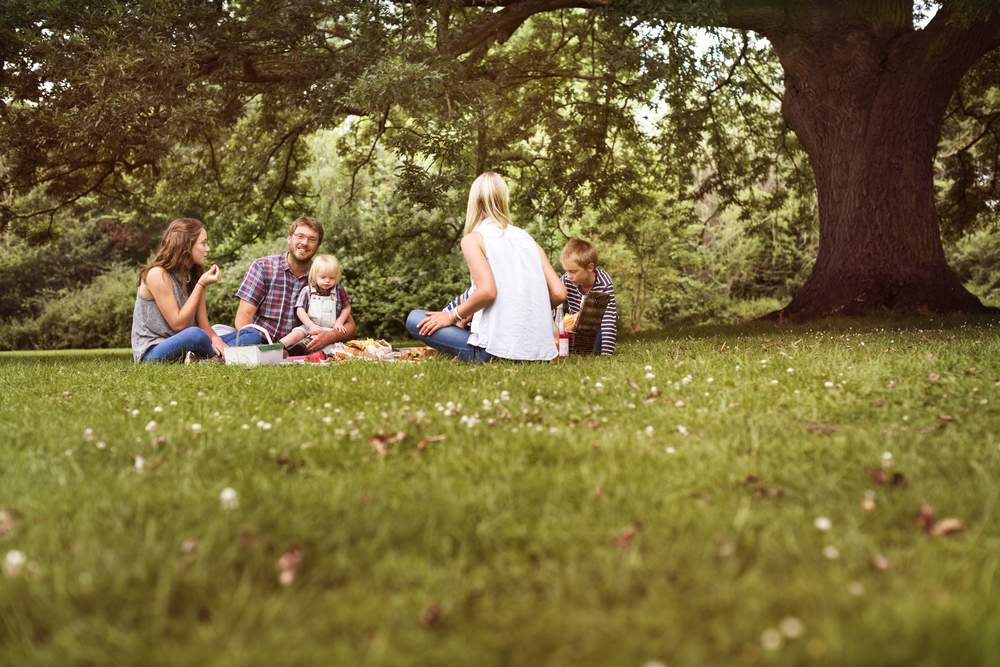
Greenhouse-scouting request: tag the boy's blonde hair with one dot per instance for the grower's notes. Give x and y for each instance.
(324, 265)
(488, 198)
(580, 252)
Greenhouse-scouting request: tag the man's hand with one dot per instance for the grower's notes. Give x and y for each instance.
(314, 330)
(321, 339)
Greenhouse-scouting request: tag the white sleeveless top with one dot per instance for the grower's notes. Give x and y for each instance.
(518, 324)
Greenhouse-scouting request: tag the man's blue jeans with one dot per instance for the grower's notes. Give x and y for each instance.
(195, 340)
(450, 340)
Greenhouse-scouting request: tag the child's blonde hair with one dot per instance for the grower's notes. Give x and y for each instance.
(324, 265)
(580, 252)
(488, 198)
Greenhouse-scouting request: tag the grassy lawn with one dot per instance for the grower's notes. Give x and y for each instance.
(759, 506)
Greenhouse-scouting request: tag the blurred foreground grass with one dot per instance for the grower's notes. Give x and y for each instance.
(658, 506)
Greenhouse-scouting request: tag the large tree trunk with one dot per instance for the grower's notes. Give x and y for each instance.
(868, 107)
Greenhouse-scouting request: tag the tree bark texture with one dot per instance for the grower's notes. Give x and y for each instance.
(867, 103)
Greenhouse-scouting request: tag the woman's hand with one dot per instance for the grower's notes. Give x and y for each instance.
(433, 322)
(217, 344)
(210, 277)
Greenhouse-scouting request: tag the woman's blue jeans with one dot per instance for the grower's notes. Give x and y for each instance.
(195, 340)
(450, 340)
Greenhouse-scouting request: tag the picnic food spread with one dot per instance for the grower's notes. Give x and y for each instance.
(367, 349)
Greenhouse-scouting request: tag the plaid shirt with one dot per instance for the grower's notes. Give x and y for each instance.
(270, 286)
(302, 300)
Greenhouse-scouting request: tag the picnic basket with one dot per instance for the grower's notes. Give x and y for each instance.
(254, 355)
(583, 337)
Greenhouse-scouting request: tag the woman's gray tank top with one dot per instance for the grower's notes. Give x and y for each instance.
(149, 328)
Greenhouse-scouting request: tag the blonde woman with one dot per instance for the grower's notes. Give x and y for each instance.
(515, 288)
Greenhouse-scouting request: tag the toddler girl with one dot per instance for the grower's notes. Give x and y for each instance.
(323, 304)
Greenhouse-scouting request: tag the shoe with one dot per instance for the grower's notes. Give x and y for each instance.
(297, 350)
(189, 357)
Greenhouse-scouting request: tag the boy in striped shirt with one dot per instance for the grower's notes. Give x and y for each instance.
(579, 258)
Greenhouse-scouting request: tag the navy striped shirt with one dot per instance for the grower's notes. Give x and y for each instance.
(609, 325)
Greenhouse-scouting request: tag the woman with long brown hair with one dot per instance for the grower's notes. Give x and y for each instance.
(170, 318)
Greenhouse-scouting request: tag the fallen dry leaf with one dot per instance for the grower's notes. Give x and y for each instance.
(970, 370)
(593, 424)
(431, 615)
(380, 440)
(426, 441)
(933, 377)
(653, 395)
(876, 404)
(945, 526)
(632, 383)
(598, 490)
(8, 521)
(880, 476)
(926, 517)
(288, 565)
(628, 532)
(156, 464)
(947, 418)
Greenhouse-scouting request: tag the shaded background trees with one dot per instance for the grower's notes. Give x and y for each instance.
(613, 123)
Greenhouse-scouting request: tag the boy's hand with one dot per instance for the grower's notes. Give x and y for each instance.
(340, 328)
(314, 330)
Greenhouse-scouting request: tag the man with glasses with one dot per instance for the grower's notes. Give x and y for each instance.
(267, 295)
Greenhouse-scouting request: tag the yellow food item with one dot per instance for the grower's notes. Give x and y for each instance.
(569, 321)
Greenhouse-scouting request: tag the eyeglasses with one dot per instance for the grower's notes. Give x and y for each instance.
(311, 240)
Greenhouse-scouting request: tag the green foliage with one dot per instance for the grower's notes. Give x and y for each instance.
(520, 543)
(976, 260)
(98, 315)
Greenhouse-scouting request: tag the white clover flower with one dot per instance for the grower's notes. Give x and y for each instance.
(791, 370)
(406, 398)
(822, 524)
(652, 389)
(196, 428)
(774, 382)
(229, 499)
(771, 639)
(101, 445)
(174, 403)
(679, 403)
(710, 380)
(13, 562)
(650, 431)
(831, 552)
(682, 430)
(671, 450)
(650, 376)
(151, 426)
(598, 385)
(828, 384)
(328, 405)
(449, 405)
(648, 368)
(737, 368)
(447, 413)
(504, 395)
(68, 452)
(792, 627)
(140, 463)
(553, 430)
(538, 399)
(856, 588)
(88, 434)
(157, 409)
(266, 426)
